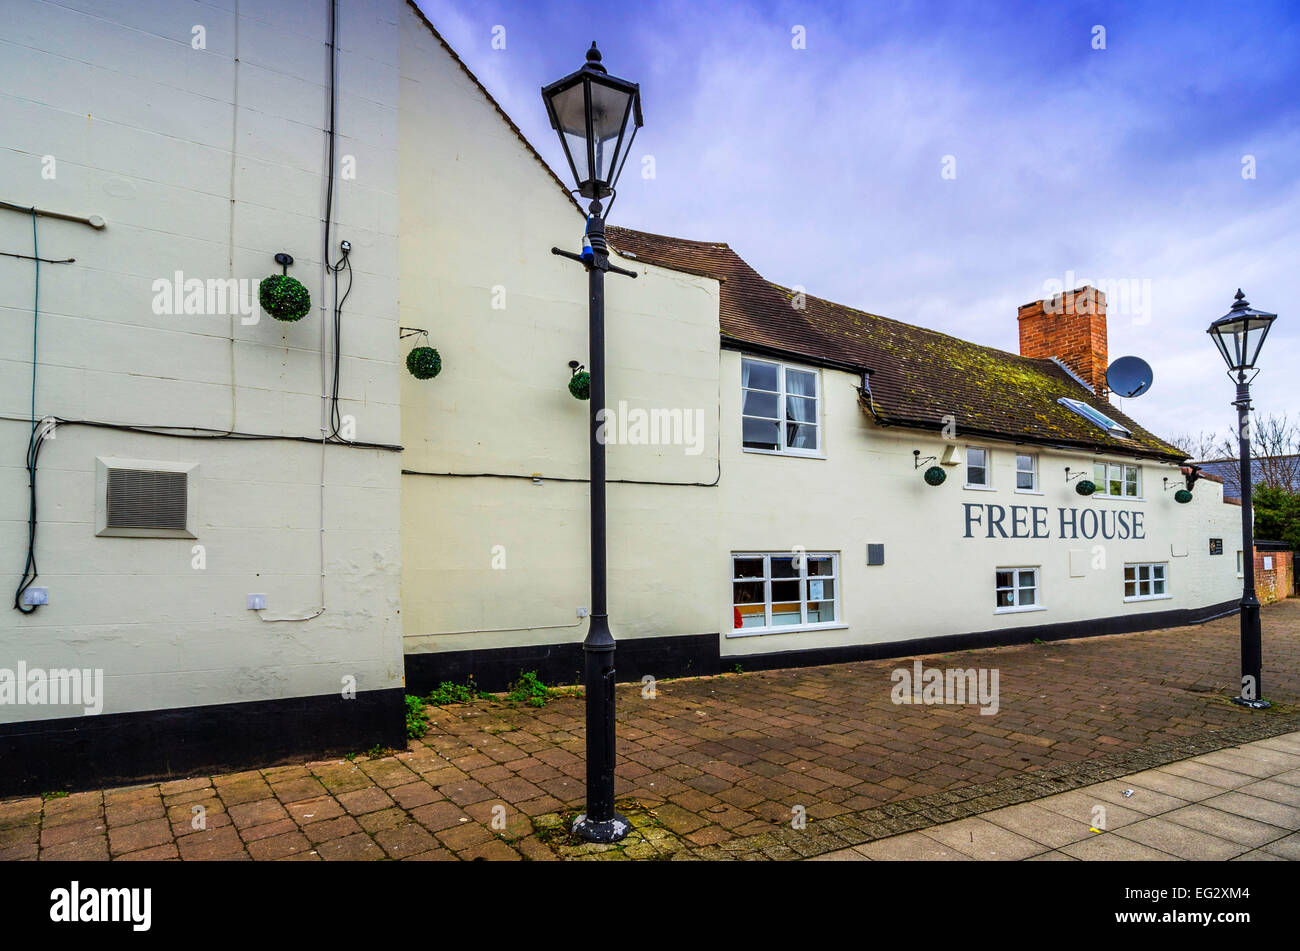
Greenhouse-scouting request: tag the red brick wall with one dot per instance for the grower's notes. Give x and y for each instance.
(1071, 327)
(1278, 582)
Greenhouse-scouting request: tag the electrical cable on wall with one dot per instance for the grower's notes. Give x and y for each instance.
(45, 427)
(330, 433)
(34, 442)
(330, 430)
(335, 423)
(336, 418)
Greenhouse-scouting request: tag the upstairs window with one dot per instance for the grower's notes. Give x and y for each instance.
(779, 408)
(1117, 481)
(977, 468)
(1026, 472)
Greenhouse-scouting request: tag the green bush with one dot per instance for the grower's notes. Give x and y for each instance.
(423, 363)
(284, 297)
(580, 385)
(1277, 515)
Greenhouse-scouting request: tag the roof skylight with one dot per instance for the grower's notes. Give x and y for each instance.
(1095, 416)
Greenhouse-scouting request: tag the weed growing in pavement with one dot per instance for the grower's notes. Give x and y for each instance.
(417, 724)
(448, 692)
(529, 689)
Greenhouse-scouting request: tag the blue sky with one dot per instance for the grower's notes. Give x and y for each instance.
(823, 166)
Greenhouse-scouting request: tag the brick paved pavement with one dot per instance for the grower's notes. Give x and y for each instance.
(710, 767)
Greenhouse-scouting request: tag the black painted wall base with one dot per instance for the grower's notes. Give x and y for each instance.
(1121, 624)
(115, 748)
(698, 655)
(690, 655)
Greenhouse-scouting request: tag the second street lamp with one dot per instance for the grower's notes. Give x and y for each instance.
(591, 110)
(1239, 336)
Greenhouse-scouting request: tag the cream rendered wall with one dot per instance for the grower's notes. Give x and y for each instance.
(206, 161)
(479, 215)
(934, 580)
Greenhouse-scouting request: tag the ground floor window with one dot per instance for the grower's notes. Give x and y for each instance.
(1145, 581)
(1016, 589)
(775, 590)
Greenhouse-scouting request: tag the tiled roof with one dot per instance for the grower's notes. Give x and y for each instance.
(1228, 472)
(919, 376)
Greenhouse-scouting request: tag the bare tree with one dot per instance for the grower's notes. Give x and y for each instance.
(1199, 446)
(1274, 447)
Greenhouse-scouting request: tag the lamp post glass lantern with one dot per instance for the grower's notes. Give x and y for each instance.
(591, 112)
(1239, 335)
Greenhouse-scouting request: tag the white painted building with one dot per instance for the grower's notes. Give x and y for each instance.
(442, 531)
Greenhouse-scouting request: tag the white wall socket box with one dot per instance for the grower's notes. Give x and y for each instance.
(257, 602)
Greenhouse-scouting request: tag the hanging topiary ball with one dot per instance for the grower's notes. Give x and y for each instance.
(1182, 496)
(580, 385)
(1084, 487)
(935, 475)
(283, 297)
(423, 363)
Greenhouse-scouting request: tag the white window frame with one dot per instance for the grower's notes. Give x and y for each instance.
(1137, 582)
(1241, 563)
(1103, 487)
(987, 484)
(1016, 607)
(804, 625)
(102, 466)
(781, 421)
(1032, 470)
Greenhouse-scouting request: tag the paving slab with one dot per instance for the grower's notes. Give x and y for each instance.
(1226, 825)
(984, 840)
(1041, 825)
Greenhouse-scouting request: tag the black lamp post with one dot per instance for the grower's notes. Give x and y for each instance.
(591, 110)
(1239, 335)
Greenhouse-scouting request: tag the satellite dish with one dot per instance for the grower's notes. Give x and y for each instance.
(1129, 377)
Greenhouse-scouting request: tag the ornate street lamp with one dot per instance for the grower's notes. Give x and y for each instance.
(1239, 336)
(591, 111)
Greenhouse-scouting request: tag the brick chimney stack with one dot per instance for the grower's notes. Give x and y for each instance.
(1071, 327)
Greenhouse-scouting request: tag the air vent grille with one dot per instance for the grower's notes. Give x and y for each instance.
(147, 499)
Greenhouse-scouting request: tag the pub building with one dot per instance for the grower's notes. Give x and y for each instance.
(258, 529)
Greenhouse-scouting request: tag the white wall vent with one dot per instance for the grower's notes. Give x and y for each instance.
(145, 499)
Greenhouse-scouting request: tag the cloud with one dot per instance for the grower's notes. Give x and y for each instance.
(822, 166)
